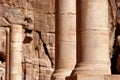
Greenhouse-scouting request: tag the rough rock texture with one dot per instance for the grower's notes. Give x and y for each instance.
(115, 60)
(112, 22)
(44, 36)
(38, 20)
(39, 39)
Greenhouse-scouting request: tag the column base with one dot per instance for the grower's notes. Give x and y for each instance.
(93, 68)
(61, 74)
(86, 77)
(94, 77)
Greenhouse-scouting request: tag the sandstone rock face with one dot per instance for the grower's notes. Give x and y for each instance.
(112, 22)
(38, 20)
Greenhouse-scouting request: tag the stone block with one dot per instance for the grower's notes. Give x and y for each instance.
(48, 38)
(45, 22)
(45, 37)
(45, 62)
(44, 6)
(28, 60)
(26, 51)
(14, 15)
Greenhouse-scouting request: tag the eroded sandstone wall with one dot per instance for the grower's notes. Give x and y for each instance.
(38, 20)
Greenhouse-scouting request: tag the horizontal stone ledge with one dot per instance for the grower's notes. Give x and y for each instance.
(73, 39)
(68, 13)
(86, 34)
(88, 26)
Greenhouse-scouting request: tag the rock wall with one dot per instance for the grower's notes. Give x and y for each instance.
(112, 23)
(115, 60)
(39, 53)
(38, 20)
(44, 36)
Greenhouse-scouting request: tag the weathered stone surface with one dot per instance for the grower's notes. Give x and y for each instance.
(51, 51)
(28, 52)
(45, 73)
(48, 38)
(45, 22)
(112, 22)
(15, 67)
(36, 72)
(43, 58)
(44, 6)
(4, 22)
(3, 41)
(36, 39)
(1, 10)
(28, 71)
(29, 19)
(2, 72)
(13, 15)
(44, 39)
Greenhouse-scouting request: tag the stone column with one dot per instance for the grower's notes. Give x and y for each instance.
(8, 52)
(65, 38)
(16, 53)
(93, 35)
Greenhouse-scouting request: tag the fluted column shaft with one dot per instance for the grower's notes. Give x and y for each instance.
(16, 53)
(65, 38)
(93, 35)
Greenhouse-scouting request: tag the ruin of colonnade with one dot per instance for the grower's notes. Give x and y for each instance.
(92, 36)
(59, 39)
(93, 58)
